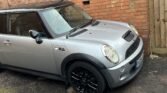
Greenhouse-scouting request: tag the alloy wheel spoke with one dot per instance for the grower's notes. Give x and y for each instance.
(94, 84)
(84, 81)
(75, 76)
(92, 87)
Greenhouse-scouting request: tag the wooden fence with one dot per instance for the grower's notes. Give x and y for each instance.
(158, 26)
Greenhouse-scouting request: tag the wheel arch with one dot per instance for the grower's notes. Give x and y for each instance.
(80, 57)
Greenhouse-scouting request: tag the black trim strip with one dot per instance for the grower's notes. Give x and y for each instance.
(33, 72)
(81, 57)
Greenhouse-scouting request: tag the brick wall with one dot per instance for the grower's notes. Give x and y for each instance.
(131, 11)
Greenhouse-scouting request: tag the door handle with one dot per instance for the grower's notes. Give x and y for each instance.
(7, 42)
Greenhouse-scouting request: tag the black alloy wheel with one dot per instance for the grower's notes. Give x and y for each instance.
(85, 78)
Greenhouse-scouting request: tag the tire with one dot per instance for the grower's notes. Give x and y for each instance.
(1, 70)
(85, 78)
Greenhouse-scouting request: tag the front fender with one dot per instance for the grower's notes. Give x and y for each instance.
(80, 57)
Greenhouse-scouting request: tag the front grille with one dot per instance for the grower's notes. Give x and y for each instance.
(132, 48)
(137, 57)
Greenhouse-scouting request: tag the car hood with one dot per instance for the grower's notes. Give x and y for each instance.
(104, 31)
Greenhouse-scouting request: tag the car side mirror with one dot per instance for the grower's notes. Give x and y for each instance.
(36, 35)
(33, 33)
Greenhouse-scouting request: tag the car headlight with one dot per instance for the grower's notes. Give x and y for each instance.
(134, 29)
(110, 54)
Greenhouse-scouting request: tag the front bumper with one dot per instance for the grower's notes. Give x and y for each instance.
(126, 70)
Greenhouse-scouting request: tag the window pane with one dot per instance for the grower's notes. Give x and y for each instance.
(56, 22)
(74, 15)
(22, 23)
(3, 24)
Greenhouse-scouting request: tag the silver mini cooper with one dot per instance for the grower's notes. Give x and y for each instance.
(62, 42)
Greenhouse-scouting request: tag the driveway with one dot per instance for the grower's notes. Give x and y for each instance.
(152, 79)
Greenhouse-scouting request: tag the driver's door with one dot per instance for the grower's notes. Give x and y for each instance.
(20, 50)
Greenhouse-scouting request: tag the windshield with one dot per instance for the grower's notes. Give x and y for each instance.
(64, 19)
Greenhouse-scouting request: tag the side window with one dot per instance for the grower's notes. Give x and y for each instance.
(20, 24)
(3, 24)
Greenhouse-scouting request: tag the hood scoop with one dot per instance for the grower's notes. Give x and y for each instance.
(128, 36)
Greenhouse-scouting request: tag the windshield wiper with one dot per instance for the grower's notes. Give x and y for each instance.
(94, 23)
(76, 28)
(71, 31)
(89, 22)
